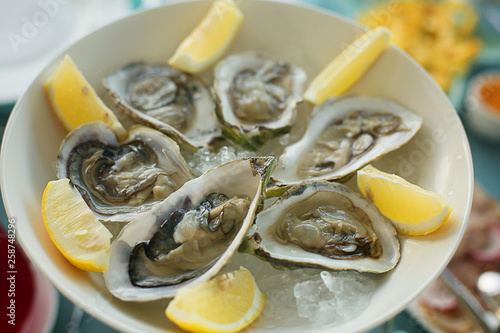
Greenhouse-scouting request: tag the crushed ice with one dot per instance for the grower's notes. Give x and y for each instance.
(306, 298)
(203, 160)
(334, 297)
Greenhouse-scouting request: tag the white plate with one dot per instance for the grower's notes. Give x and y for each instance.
(36, 31)
(438, 158)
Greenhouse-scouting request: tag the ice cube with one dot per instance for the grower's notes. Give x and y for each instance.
(333, 297)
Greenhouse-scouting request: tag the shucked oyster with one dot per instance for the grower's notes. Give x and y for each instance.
(327, 225)
(344, 135)
(190, 236)
(257, 96)
(121, 180)
(167, 99)
(188, 242)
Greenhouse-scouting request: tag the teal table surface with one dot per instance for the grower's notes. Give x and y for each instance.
(486, 158)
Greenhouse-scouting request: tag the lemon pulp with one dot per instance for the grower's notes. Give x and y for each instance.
(74, 228)
(75, 102)
(227, 303)
(413, 210)
(210, 39)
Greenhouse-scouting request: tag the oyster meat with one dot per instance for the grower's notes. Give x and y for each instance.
(121, 180)
(326, 225)
(188, 241)
(162, 97)
(257, 96)
(344, 135)
(191, 235)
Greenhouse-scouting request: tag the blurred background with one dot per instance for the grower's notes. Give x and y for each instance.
(458, 42)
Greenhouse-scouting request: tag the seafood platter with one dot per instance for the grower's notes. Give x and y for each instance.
(231, 167)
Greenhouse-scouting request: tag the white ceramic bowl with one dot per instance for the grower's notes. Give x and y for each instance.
(480, 116)
(438, 158)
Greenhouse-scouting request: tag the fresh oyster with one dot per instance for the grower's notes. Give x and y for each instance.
(343, 136)
(121, 180)
(326, 225)
(173, 102)
(191, 235)
(258, 97)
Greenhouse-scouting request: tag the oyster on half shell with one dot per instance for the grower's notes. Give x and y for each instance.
(190, 236)
(121, 180)
(257, 97)
(325, 225)
(162, 97)
(344, 135)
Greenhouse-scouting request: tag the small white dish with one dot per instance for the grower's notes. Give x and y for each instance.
(438, 158)
(480, 116)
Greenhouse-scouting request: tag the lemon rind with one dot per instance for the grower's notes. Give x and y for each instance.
(96, 261)
(193, 322)
(350, 65)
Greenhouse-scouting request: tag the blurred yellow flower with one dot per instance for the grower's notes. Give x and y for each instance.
(437, 34)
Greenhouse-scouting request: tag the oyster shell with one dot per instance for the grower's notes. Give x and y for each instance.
(121, 180)
(344, 135)
(191, 235)
(162, 97)
(326, 225)
(257, 97)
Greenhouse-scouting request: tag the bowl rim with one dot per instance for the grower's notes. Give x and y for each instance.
(292, 3)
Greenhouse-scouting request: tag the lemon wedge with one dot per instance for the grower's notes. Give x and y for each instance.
(413, 210)
(75, 102)
(210, 39)
(73, 227)
(227, 303)
(346, 69)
